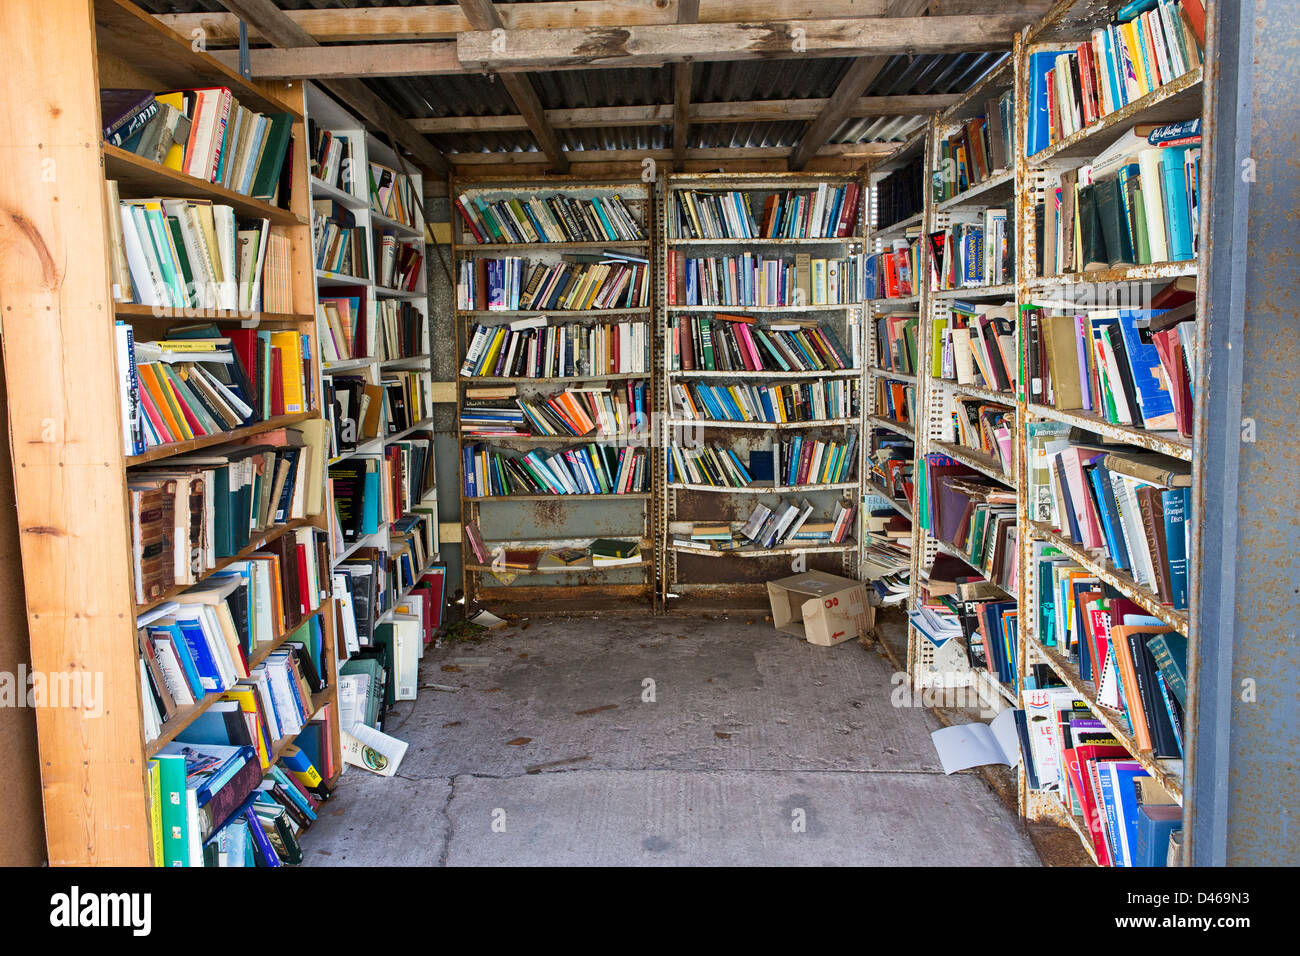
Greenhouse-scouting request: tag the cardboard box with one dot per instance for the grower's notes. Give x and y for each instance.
(821, 608)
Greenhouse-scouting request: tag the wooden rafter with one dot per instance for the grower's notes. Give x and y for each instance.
(746, 111)
(444, 21)
(273, 26)
(483, 15)
(859, 76)
(688, 11)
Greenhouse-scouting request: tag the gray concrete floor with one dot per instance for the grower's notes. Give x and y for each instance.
(756, 749)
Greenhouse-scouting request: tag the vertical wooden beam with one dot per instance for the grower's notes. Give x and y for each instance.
(274, 25)
(851, 88)
(482, 15)
(688, 11)
(65, 432)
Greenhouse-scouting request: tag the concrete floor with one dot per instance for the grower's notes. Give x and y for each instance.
(757, 749)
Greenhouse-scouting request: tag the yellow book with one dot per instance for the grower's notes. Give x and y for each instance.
(169, 395)
(155, 811)
(490, 358)
(779, 404)
(175, 157)
(246, 697)
(1129, 32)
(290, 346)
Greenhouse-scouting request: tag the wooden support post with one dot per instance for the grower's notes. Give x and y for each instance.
(66, 435)
(688, 11)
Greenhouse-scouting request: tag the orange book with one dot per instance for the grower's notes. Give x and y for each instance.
(164, 401)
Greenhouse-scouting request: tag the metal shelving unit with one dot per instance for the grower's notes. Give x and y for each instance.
(540, 521)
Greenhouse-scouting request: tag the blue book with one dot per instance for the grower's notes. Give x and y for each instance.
(1154, 399)
(1154, 825)
(197, 642)
(1177, 211)
(1114, 536)
(370, 503)
(1176, 502)
(172, 632)
(1037, 131)
(1122, 775)
(761, 466)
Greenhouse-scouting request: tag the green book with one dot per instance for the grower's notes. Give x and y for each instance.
(1143, 249)
(607, 548)
(267, 178)
(175, 832)
(1170, 653)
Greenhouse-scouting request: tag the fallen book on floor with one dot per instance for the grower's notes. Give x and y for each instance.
(372, 750)
(963, 746)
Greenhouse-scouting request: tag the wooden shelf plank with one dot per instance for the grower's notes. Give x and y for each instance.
(159, 452)
(138, 177)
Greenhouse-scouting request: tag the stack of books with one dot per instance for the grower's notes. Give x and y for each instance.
(549, 219)
(801, 402)
(976, 345)
(969, 255)
(199, 382)
(203, 133)
(533, 348)
(1146, 46)
(194, 254)
(338, 240)
(825, 212)
(578, 283)
(589, 469)
(980, 148)
(726, 342)
(758, 281)
(392, 194)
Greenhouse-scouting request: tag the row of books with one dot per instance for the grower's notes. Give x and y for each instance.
(970, 255)
(887, 554)
(978, 149)
(1134, 507)
(984, 628)
(799, 402)
(598, 410)
(199, 382)
(825, 212)
(737, 343)
(577, 283)
(204, 133)
(975, 516)
(790, 464)
(367, 598)
(192, 512)
(1136, 203)
(556, 218)
(533, 348)
(213, 634)
(894, 272)
(896, 341)
(783, 524)
(360, 410)
(1137, 663)
(901, 194)
(1148, 45)
(986, 429)
(339, 242)
(215, 805)
(392, 194)
(194, 254)
(1125, 365)
(895, 400)
(371, 492)
(401, 264)
(1129, 817)
(601, 553)
(355, 326)
(890, 465)
(331, 156)
(589, 469)
(976, 345)
(753, 279)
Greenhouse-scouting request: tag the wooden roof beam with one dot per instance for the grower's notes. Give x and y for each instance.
(444, 21)
(745, 111)
(483, 15)
(688, 11)
(274, 26)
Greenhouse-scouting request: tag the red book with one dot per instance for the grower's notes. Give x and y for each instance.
(277, 382)
(304, 589)
(478, 236)
(1194, 10)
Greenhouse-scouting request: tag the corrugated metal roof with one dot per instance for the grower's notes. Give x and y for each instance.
(711, 82)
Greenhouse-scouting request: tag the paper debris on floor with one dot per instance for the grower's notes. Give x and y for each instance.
(372, 749)
(486, 619)
(974, 745)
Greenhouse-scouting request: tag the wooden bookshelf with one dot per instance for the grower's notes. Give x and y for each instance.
(353, 192)
(542, 521)
(691, 575)
(65, 420)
